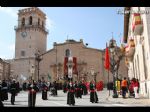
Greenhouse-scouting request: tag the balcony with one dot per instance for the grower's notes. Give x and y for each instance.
(137, 25)
(138, 29)
(130, 49)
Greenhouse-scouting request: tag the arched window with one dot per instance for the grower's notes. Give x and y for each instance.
(23, 22)
(68, 53)
(30, 20)
(38, 21)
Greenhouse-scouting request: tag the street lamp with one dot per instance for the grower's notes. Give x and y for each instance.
(112, 47)
(38, 59)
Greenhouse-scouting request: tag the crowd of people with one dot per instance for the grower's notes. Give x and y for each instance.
(72, 89)
(128, 86)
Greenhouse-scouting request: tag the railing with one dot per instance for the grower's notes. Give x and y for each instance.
(32, 26)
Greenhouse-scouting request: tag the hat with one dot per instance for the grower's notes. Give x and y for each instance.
(14, 80)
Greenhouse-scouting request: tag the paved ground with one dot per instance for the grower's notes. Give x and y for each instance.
(60, 100)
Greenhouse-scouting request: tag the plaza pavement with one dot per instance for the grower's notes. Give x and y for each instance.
(60, 101)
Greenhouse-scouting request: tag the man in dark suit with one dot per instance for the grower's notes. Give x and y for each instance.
(13, 91)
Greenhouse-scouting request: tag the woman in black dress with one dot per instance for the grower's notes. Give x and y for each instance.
(93, 94)
(70, 95)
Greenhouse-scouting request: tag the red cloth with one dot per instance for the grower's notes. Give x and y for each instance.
(99, 86)
(87, 85)
(32, 91)
(71, 90)
(136, 84)
(92, 90)
(107, 61)
(65, 65)
(75, 65)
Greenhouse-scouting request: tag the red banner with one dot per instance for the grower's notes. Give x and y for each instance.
(65, 66)
(75, 65)
(107, 60)
(136, 20)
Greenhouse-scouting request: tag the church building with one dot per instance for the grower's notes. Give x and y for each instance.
(71, 59)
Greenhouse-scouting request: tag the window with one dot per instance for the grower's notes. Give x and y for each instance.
(22, 53)
(68, 53)
(23, 22)
(30, 20)
(38, 21)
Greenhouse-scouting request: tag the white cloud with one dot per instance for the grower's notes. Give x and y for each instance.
(9, 11)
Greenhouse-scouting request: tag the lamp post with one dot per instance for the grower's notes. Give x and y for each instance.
(112, 47)
(38, 59)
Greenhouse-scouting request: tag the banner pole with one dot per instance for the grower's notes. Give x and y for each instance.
(108, 83)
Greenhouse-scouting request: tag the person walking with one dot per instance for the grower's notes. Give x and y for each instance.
(44, 91)
(55, 88)
(84, 88)
(78, 90)
(135, 87)
(13, 91)
(1, 103)
(93, 94)
(4, 90)
(33, 89)
(70, 95)
(24, 86)
(124, 85)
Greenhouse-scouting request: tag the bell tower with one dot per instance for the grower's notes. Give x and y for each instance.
(31, 34)
(31, 38)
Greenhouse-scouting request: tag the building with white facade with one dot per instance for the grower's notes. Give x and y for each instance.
(137, 40)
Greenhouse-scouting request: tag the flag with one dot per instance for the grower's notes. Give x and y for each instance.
(107, 60)
(136, 20)
(49, 77)
(65, 65)
(75, 65)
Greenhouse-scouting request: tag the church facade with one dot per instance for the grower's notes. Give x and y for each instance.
(33, 61)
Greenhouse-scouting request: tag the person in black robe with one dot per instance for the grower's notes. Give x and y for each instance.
(4, 90)
(55, 86)
(24, 86)
(1, 103)
(44, 91)
(84, 88)
(33, 89)
(65, 87)
(70, 95)
(13, 91)
(93, 94)
(78, 90)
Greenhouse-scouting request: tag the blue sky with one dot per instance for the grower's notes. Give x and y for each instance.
(92, 24)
